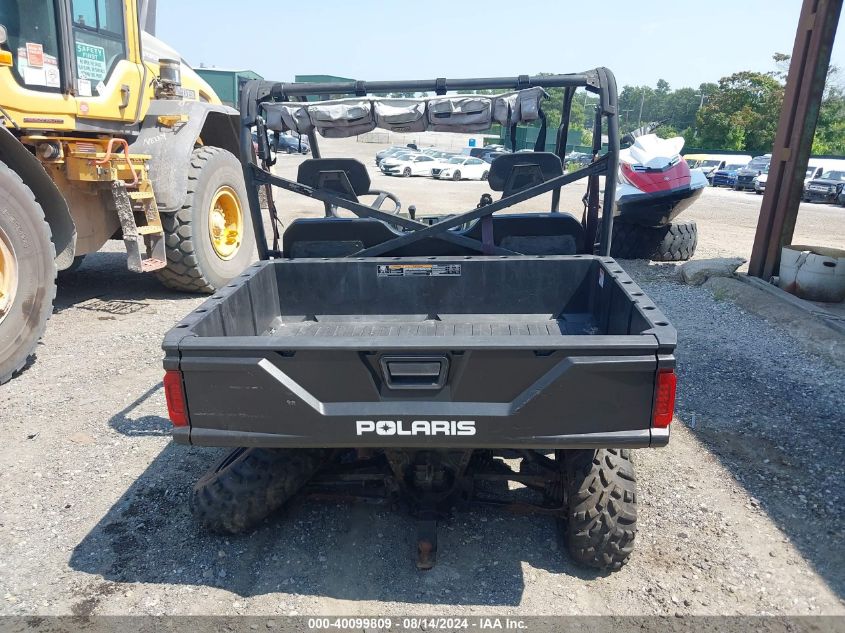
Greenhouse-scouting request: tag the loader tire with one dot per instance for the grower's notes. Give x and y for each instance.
(674, 242)
(195, 262)
(602, 516)
(27, 273)
(249, 484)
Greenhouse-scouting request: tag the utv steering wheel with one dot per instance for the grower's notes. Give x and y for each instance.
(381, 196)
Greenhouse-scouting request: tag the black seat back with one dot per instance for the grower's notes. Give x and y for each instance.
(535, 233)
(333, 237)
(510, 173)
(344, 176)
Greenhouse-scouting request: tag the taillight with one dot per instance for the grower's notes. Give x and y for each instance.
(664, 398)
(174, 392)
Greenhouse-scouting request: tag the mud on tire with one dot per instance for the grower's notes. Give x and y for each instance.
(602, 516)
(192, 264)
(249, 484)
(674, 242)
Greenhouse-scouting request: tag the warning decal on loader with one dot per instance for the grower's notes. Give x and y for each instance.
(90, 62)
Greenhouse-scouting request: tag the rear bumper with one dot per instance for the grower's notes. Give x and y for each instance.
(649, 438)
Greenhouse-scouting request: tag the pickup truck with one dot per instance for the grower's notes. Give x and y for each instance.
(386, 357)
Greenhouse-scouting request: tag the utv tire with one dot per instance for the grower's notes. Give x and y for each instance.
(602, 517)
(674, 242)
(193, 264)
(456, 175)
(249, 484)
(27, 273)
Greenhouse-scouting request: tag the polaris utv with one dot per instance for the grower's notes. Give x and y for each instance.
(385, 357)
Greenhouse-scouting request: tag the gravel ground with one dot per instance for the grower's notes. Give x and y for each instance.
(741, 514)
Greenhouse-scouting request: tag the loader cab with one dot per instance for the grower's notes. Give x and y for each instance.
(72, 59)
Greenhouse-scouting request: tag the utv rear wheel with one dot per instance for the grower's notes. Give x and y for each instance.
(673, 242)
(249, 484)
(27, 273)
(602, 517)
(209, 240)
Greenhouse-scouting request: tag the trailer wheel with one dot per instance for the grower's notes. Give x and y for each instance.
(249, 484)
(602, 517)
(674, 242)
(209, 240)
(27, 273)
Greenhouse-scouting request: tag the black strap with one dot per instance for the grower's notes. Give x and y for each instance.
(360, 89)
(440, 86)
(513, 137)
(487, 243)
(540, 144)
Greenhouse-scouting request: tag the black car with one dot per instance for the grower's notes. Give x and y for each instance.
(745, 176)
(484, 152)
(290, 144)
(826, 188)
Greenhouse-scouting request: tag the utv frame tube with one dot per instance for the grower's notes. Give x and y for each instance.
(599, 81)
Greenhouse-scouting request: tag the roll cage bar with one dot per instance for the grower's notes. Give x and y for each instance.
(599, 81)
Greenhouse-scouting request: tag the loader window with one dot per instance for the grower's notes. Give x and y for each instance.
(99, 40)
(33, 42)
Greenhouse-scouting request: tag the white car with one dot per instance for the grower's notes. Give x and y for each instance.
(462, 168)
(408, 165)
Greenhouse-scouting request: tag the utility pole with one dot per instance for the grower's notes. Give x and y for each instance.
(640, 118)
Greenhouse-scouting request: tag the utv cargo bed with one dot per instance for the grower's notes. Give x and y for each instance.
(558, 352)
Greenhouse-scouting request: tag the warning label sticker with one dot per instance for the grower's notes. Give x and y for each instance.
(419, 270)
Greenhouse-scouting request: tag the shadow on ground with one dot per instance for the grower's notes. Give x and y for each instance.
(349, 552)
(104, 284)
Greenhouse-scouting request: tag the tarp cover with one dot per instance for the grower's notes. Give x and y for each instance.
(452, 113)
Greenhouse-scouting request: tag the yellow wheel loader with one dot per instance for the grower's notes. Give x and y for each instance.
(106, 134)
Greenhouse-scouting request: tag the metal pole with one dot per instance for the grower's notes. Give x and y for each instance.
(640, 118)
(796, 128)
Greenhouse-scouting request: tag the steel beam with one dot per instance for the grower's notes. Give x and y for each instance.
(796, 128)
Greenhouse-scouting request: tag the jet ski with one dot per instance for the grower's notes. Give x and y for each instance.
(655, 183)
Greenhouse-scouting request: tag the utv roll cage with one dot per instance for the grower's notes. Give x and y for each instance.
(536, 179)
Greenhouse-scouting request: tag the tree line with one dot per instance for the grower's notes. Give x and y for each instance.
(739, 112)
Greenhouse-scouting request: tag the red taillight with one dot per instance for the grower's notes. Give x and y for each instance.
(664, 398)
(174, 392)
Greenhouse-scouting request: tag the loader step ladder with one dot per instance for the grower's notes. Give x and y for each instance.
(140, 222)
(137, 210)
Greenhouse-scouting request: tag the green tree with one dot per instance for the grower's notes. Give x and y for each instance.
(742, 113)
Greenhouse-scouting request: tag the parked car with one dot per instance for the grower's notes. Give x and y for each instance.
(578, 159)
(408, 165)
(760, 181)
(489, 156)
(827, 188)
(482, 152)
(288, 144)
(709, 164)
(391, 151)
(745, 176)
(726, 177)
(462, 168)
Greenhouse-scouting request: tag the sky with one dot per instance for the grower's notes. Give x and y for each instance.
(684, 42)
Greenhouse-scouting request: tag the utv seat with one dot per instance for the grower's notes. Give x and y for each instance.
(333, 236)
(530, 233)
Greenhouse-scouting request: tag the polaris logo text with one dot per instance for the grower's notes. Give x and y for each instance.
(415, 427)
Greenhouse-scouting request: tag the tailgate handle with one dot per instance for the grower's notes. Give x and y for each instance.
(415, 372)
